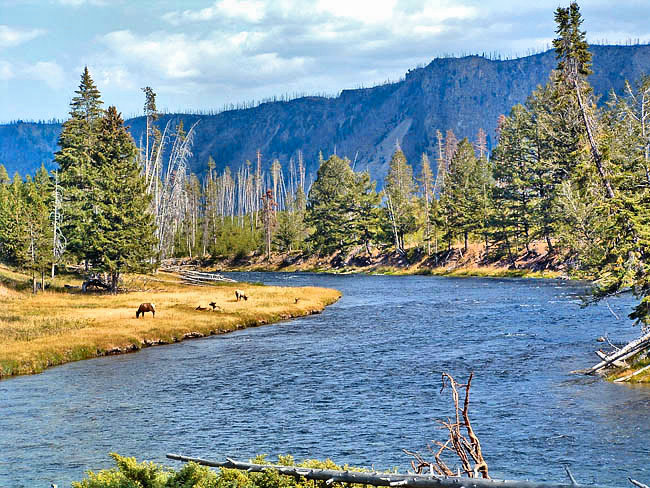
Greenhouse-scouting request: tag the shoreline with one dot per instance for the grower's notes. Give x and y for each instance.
(457, 262)
(56, 327)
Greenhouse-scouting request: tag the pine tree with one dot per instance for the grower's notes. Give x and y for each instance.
(461, 199)
(122, 230)
(616, 250)
(513, 169)
(77, 170)
(574, 65)
(4, 176)
(365, 215)
(326, 205)
(37, 210)
(13, 231)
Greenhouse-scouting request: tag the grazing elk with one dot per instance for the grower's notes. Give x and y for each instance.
(146, 307)
(240, 294)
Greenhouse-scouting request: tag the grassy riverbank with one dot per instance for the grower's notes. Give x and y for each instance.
(63, 325)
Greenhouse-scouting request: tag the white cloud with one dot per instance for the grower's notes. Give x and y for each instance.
(12, 36)
(6, 70)
(47, 71)
(245, 10)
(79, 3)
(179, 57)
(115, 77)
(366, 11)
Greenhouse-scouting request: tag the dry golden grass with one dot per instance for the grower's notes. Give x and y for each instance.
(55, 327)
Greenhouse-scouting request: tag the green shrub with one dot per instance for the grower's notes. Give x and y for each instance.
(128, 473)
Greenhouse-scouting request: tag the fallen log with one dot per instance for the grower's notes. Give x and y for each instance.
(622, 354)
(200, 275)
(603, 356)
(374, 478)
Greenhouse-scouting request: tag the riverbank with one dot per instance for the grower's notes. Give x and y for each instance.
(533, 263)
(62, 324)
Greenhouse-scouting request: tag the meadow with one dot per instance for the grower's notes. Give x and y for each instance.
(63, 324)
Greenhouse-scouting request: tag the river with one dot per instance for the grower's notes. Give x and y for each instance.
(357, 384)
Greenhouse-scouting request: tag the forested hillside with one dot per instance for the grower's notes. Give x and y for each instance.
(459, 94)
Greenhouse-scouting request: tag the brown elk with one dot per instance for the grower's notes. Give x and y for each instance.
(240, 294)
(146, 307)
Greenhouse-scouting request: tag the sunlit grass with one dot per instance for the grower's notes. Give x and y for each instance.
(61, 325)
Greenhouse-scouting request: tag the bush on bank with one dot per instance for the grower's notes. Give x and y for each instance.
(128, 473)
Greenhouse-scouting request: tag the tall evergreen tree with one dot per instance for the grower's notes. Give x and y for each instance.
(461, 198)
(513, 169)
(365, 215)
(37, 211)
(77, 169)
(122, 230)
(574, 65)
(326, 207)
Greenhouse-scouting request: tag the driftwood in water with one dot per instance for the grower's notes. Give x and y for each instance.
(603, 356)
(630, 349)
(409, 480)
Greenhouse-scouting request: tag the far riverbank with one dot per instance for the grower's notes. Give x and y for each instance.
(533, 263)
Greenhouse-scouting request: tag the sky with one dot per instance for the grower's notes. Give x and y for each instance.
(207, 54)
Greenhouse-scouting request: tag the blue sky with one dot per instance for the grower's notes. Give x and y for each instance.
(204, 54)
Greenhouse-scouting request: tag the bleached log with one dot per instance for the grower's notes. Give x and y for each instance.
(374, 478)
(603, 356)
(622, 354)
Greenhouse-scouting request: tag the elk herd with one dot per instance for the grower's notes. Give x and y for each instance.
(151, 307)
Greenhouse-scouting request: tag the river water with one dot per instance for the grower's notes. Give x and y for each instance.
(357, 384)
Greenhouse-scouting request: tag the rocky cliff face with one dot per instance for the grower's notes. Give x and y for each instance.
(461, 94)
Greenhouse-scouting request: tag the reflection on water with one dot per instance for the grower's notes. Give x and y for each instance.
(356, 384)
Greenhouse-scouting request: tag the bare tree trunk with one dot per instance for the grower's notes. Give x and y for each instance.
(595, 152)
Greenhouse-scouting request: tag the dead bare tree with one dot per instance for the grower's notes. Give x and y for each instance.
(465, 445)
(269, 219)
(58, 239)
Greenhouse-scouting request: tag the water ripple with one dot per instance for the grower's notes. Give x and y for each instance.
(357, 384)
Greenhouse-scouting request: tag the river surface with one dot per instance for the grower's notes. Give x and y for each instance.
(357, 384)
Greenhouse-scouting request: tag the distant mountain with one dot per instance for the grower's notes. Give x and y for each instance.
(462, 94)
(24, 146)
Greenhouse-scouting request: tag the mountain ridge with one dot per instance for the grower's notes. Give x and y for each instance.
(363, 124)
